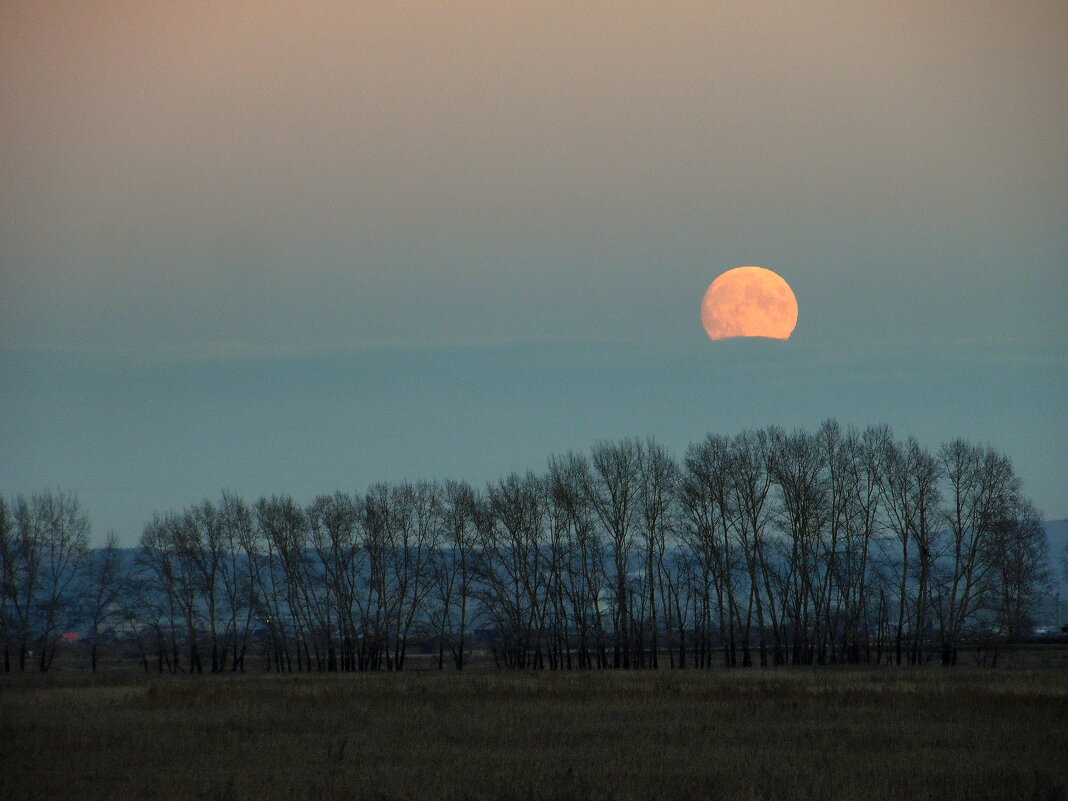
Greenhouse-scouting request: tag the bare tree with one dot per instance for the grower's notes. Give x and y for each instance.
(50, 544)
(749, 489)
(613, 494)
(334, 522)
(854, 520)
(584, 573)
(708, 532)
(1018, 554)
(418, 539)
(24, 567)
(203, 541)
(287, 587)
(167, 547)
(1064, 562)
(840, 545)
(659, 478)
(403, 531)
(558, 561)
(104, 581)
(982, 489)
(9, 554)
(374, 603)
(797, 468)
(512, 577)
(143, 616)
(455, 565)
(152, 598)
(910, 486)
(235, 571)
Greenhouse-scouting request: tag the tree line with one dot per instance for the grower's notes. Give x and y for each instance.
(765, 548)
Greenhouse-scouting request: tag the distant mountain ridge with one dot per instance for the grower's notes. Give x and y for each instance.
(1057, 537)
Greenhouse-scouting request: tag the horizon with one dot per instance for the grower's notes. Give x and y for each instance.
(350, 419)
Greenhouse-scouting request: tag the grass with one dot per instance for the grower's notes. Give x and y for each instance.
(830, 733)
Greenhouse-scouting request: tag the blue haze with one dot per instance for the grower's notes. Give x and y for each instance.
(132, 439)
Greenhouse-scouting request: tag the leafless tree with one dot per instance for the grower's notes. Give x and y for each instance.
(163, 554)
(584, 572)
(402, 530)
(909, 478)
(292, 610)
(807, 560)
(839, 545)
(657, 491)
(104, 581)
(9, 553)
(613, 494)
(709, 533)
(454, 567)
(982, 488)
(1018, 555)
(334, 522)
(854, 525)
(238, 585)
(44, 556)
(512, 576)
(749, 489)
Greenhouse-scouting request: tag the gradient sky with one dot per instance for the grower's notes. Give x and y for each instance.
(295, 247)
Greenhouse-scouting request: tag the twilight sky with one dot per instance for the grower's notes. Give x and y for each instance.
(295, 247)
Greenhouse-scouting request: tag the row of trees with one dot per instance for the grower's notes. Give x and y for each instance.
(46, 570)
(763, 548)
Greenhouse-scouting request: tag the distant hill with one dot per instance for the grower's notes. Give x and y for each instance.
(1057, 534)
(1057, 531)
(1054, 611)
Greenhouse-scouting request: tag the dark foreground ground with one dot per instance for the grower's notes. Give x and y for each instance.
(830, 733)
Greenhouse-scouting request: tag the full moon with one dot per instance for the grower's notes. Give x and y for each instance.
(749, 302)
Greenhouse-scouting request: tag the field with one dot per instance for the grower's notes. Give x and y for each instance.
(830, 733)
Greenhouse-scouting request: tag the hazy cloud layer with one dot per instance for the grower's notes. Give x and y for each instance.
(136, 439)
(285, 175)
(283, 246)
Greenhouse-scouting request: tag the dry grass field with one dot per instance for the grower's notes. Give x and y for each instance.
(758, 734)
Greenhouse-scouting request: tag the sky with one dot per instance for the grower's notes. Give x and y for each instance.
(298, 247)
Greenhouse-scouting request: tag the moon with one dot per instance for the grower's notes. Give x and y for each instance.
(749, 302)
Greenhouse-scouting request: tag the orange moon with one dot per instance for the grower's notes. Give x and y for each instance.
(749, 302)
